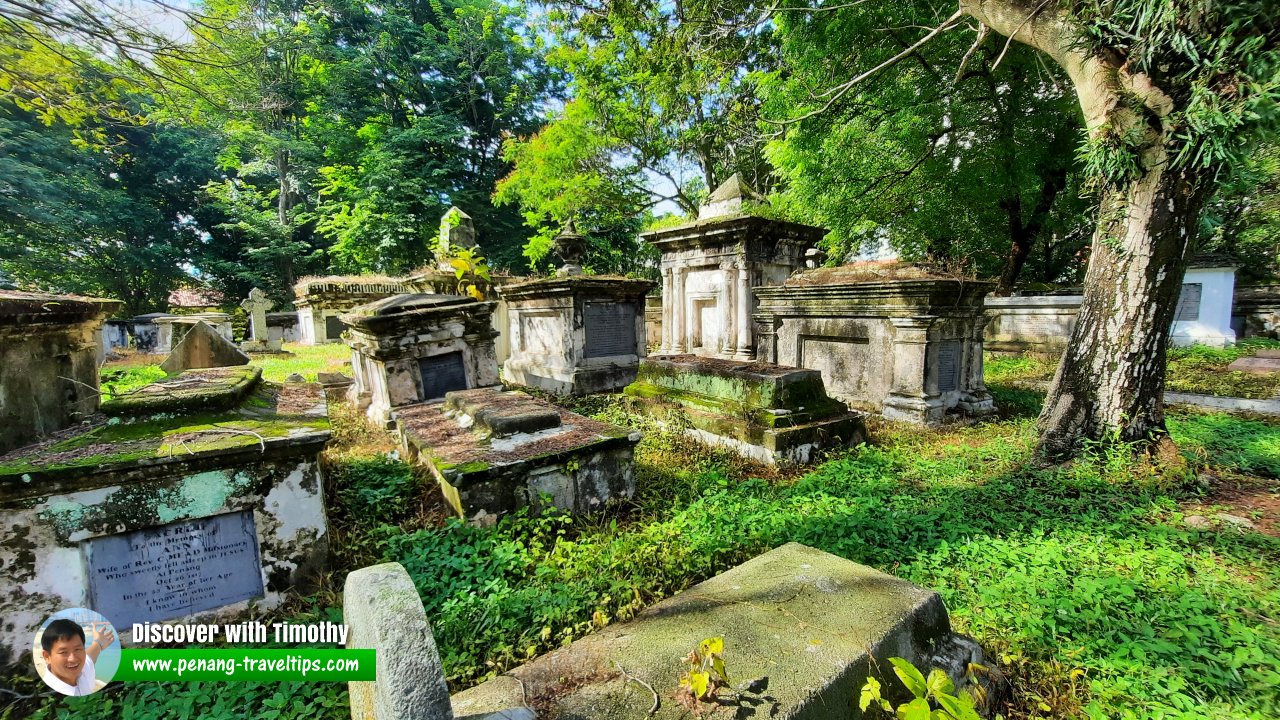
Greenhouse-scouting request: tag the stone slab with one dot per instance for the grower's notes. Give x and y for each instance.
(1232, 404)
(1257, 365)
(382, 611)
(501, 414)
(203, 347)
(1272, 353)
(175, 570)
(799, 621)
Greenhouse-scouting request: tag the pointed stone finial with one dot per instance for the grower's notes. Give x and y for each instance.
(457, 230)
(571, 246)
(727, 199)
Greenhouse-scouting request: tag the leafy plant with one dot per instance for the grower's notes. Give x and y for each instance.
(933, 698)
(706, 673)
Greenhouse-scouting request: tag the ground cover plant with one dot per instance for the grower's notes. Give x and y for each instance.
(1082, 580)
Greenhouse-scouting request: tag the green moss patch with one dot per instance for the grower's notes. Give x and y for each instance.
(193, 390)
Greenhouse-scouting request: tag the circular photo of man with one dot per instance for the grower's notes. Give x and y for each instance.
(76, 651)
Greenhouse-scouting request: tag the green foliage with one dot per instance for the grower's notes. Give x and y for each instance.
(1201, 369)
(114, 382)
(706, 672)
(933, 698)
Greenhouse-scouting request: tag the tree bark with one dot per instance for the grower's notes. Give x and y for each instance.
(1110, 382)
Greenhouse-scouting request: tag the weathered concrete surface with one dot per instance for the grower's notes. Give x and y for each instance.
(101, 479)
(495, 452)
(1259, 365)
(382, 611)
(205, 389)
(887, 338)
(802, 619)
(203, 347)
(575, 335)
(49, 346)
(1231, 404)
(767, 412)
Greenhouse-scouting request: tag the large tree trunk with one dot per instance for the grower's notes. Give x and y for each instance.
(1110, 382)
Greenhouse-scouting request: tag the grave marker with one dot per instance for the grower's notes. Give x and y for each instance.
(610, 329)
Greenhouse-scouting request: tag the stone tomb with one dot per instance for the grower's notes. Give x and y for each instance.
(1203, 315)
(49, 347)
(257, 305)
(412, 348)
(802, 631)
(322, 301)
(893, 340)
(766, 412)
(282, 327)
(194, 512)
(575, 334)
(170, 329)
(1030, 323)
(496, 451)
(710, 266)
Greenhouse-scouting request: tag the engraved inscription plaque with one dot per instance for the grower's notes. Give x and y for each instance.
(1189, 303)
(333, 327)
(948, 365)
(610, 329)
(174, 570)
(442, 374)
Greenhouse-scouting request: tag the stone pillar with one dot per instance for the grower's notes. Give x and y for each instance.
(977, 400)
(914, 397)
(667, 295)
(745, 349)
(382, 611)
(726, 345)
(678, 308)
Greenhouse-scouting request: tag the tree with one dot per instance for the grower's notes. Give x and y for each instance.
(1170, 91)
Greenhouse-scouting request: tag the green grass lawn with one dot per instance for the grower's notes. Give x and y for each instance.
(136, 370)
(1082, 581)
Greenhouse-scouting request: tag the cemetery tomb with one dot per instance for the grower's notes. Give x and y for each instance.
(1203, 313)
(1040, 324)
(49, 348)
(199, 495)
(890, 338)
(320, 302)
(767, 412)
(801, 631)
(1255, 311)
(202, 347)
(710, 266)
(257, 305)
(282, 327)
(145, 332)
(115, 334)
(496, 451)
(170, 329)
(575, 334)
(412, 348)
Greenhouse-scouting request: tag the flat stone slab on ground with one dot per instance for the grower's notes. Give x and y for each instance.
(1271, 353)
(1260, 365)
(797, 620)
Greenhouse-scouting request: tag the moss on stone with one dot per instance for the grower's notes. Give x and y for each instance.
(206, 389)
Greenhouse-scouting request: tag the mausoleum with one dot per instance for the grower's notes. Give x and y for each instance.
(496, 451)
(411, 348)
(1203, 316)
(321, 301)
(575, 334)
(201, 495)
(887, 338)
(710, 266)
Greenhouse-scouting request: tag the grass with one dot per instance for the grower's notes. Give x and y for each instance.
(1081, 580)
(135, 371)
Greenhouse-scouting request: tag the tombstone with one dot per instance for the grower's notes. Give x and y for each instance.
(890, 339)
(575, 334)
(170, 329)
(1040, 324)
(321, 302)
(496, 452)
(769, 413)
(413, 347)
(801, 629)
(710, 266)
(183, 517)
(257, 305)
(201, 347)
(457, 231)
(282, 327)
(383, 612)
(145, 332)
(48, 362)
(115, 334)
(1203, 313)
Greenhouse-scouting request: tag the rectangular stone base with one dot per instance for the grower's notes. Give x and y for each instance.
(495, 452)
(569, 381)
(799, 624)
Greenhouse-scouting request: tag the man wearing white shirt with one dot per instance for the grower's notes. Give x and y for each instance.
(69, 664)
